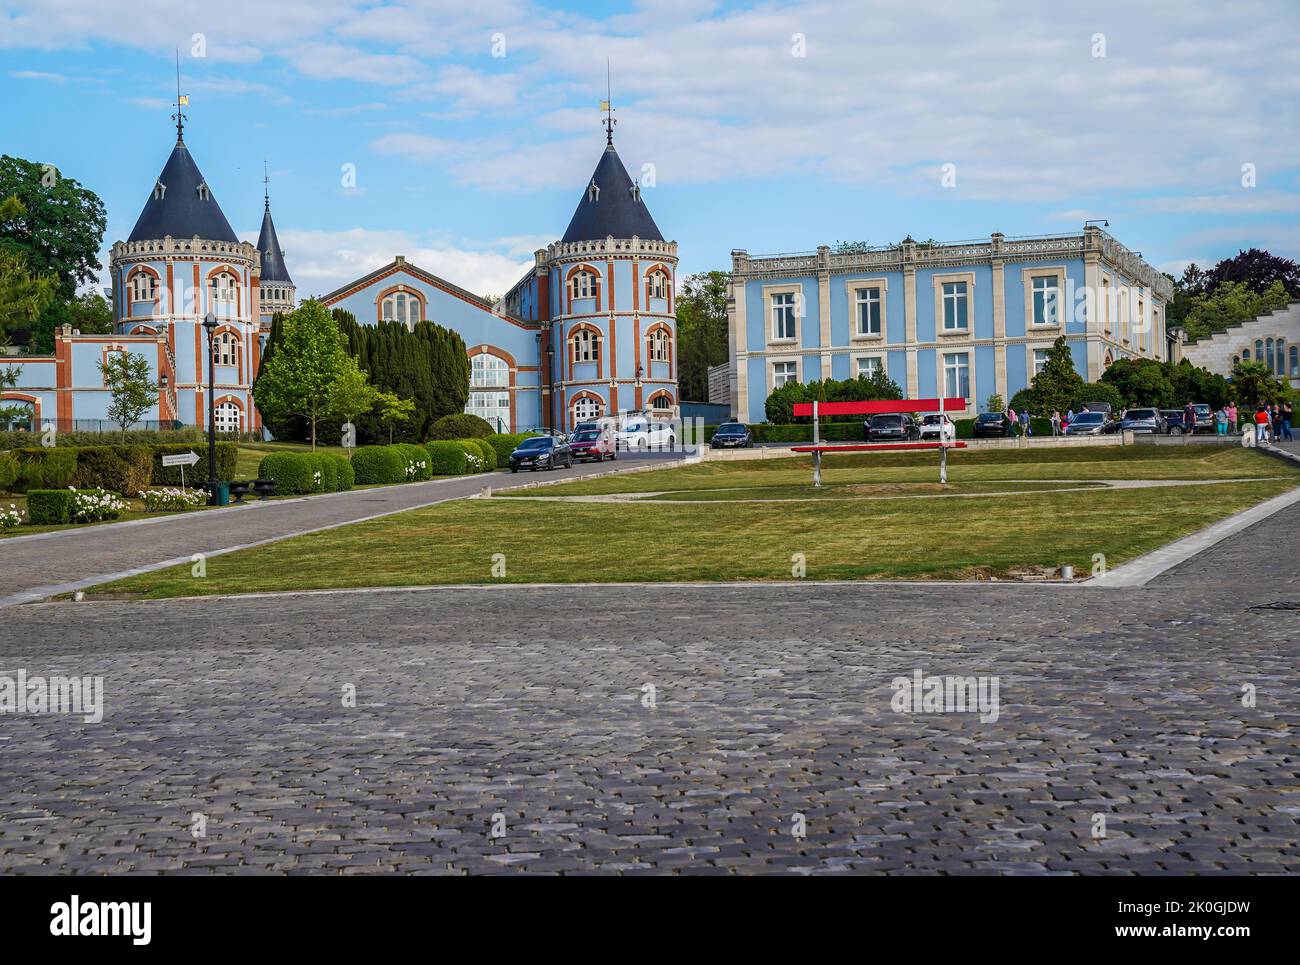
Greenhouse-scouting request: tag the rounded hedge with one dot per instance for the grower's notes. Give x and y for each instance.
(473, 454)
(446, 458)
(415, 461)
(488, 451)
(347, 477)
(460, 425)
(293, 472)
(374, 465)
(505, 443)
(328, 469)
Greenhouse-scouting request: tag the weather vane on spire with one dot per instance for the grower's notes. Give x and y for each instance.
(607, 106)
(266, 185)
(182, 100)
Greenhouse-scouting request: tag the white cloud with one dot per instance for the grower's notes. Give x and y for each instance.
(38, 75)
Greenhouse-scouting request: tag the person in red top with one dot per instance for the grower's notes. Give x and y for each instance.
(1261, 425)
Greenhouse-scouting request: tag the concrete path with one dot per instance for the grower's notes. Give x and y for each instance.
(39, 566)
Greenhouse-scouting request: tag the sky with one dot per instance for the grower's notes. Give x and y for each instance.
(473, 128)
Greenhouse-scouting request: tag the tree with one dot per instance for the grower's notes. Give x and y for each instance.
(779, 407)
(351, 394)
(1230, 303)
(1256, 270)
(58, 226)
(300, 375)
(23, 294)
(701, 331)
(1056, 384)
(393, 411)
(994, 403)
(1254, 385)
(133, 392)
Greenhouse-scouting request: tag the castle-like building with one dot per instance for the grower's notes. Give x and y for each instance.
(588, 332)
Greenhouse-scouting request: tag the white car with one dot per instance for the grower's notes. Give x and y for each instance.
(938, 428)
(642, 435)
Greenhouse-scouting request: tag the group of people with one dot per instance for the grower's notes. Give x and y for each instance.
(1272, 423)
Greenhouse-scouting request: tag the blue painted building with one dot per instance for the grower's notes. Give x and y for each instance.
(968, 319)
(589, 331)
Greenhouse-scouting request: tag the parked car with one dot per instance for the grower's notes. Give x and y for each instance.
(541, 452)
(937, 427)
(891, 427)
(1088, 424)
(994, 424)
(1204, 417)
(1173, 421)
(1144, 420)
(592, 443)
(640, 435)
(732, 435)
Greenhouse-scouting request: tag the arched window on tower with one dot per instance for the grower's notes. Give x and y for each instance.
(656, 285)
(226, 417)
(658, 345)
(586, 409)
(661, 403)
(585, 345)
(225, 348)
(222, 288)
(584, 284)
(142, 287)
(403, 307)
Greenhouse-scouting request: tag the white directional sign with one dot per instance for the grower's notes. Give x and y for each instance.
(181, 459)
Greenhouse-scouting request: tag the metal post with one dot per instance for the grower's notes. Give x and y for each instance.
(210, 323)
(816, 433)
(817, 468)
(943, 464)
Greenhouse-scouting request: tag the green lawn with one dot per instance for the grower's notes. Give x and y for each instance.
(251, 454)
(840, 538)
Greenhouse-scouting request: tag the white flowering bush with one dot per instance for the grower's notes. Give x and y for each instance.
(173, 499)
(93, 505)
(415, 469)
(475, 462)
(316, 481)
(11, 517)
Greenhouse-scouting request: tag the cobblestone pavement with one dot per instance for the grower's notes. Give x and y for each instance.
(526, 708)
(40, 566)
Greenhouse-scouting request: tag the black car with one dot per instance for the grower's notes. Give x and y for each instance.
(732, 435)
(991, 425)
(892, 427)
(1173, 421)
(541, 452)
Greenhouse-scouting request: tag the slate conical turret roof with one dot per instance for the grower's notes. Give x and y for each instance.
(268, 245)
(611, 205)
(181, 204)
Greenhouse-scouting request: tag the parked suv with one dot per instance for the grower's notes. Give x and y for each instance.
(937, 427)
(1144, 420)
(891, 427)
(640, 435)
(592, 442)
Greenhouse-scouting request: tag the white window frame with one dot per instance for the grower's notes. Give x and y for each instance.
(488, 371)
(858, 365)
(941, 298)
(956, 370)
(585, 345)
(785, 377)
(586, 409)
(1034, 367)
(868, 297)
(585, 283)
(397, 304)
(1030, 282)
(656, 284)
(785, 313)
(142, 286)
(490, 404)
(225, 348)
(657, 346)
(223, 421)
(222, 288)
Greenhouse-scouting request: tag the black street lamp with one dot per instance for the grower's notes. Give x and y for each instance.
(210, 325)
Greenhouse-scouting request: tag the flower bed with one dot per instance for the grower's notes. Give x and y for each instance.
(173, 500)
(94, 505)
(11, 517)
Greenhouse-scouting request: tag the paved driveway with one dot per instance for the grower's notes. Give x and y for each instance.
(525, 711)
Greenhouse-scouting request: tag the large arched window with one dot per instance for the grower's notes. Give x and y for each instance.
(142, 287)
(222, 288)
(488, 370)
(661, 402)
(585, 345)
(226, 417)
(1281, 357)
(1269, 360)
(585, 409)
(402, 307)
(225, 348)
(658, 344)
(656, 284)
(1294, 369)
(584, 283)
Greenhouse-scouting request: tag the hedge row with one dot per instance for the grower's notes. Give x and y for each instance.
(49, 507)
(297, 473)
(126, 469)
(851, 431)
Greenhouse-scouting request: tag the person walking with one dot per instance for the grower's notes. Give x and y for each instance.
(1024, 420)
(1189, 419)
(1056, 422)
(1261, 425)
(1232, 417)
(1221, 421)
(1276, 416)
(1287, 413)
(1012, 420)
(1069, 417)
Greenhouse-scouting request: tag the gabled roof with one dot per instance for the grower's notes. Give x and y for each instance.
(611, 205)
(400, 264)
(268, 246)
(177, 207)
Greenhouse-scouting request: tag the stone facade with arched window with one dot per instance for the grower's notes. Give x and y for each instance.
(1273, 339)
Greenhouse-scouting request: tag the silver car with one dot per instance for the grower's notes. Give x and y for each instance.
(1144, 420)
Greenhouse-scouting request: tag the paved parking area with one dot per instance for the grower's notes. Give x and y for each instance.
(528, 712)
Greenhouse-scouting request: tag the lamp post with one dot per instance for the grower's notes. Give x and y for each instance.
(210, 326)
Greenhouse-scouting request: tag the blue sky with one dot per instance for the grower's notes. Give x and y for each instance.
(770, 127)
